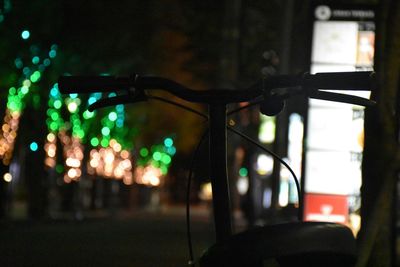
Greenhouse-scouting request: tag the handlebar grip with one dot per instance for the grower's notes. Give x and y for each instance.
(89, 84)
(360, 80)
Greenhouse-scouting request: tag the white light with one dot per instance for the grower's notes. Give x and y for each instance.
(71, 162)
(7, 177)
(265, 164)
(109, 157)
(242, 185)
(72, 173)
(72, 107)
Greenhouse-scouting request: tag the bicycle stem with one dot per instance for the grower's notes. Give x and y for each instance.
(218, 171)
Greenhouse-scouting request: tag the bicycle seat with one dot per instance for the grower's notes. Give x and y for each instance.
(289, 244)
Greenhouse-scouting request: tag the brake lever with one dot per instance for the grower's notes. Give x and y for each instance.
(137, 96)
(349, 99)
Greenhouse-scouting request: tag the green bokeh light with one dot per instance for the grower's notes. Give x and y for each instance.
(157, 156)
(57, 104)
(94, 141)
(105, 131)
(112, 116)
(144, 152)
(104, 142)
(243, 172)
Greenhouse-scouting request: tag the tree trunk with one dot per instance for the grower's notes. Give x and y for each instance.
(380, 162)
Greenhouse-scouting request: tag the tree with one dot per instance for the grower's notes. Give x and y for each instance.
(381, 154)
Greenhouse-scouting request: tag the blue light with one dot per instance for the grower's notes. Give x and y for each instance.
(25, 35)
(52, 53)
(91, 100)
(120, 123)
(168, 142)
(120, 108)
(34, 146)
(54, 92)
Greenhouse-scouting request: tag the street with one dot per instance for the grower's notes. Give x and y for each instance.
(135, 239)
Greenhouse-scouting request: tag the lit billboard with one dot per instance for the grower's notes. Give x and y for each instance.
(343, 40)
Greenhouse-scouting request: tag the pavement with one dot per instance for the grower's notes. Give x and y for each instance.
(136, 238)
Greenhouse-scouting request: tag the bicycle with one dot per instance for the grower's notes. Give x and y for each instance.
(286, 244)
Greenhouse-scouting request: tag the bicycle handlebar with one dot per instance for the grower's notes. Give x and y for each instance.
(335, 80)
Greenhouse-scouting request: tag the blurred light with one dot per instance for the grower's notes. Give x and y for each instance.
(26, 70)
(127, 180)
(52, 53)
(168, 142)
(117, 147)
(104, 142)
(105, 131)
(109, 157)
(25, 35)
(18, 63)
(124, 154)
(144, 152)
(54, 91)
(7, 177)
(120, 123)
(72, 107)
(242, 185)
(112, 116)
(73, 162)
(72, 173)
(57, 104)
(171, 150)
(27, 83)
(166, 159)
(46, 62)
(243, 172)
(35, 76)
(35, 60)
(94, 141)
(51, 137)
(157, 156)
(34, 146)
(205, 191)
(59, 168)
(87, 114)
(12, 91)
(119, 108)
(24, 90)
(265, 164)
(53, 126)
(164, 170)
(91, 100)
(54, 116)
(73, 96)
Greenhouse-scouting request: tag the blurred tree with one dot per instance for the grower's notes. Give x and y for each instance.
(381, 154)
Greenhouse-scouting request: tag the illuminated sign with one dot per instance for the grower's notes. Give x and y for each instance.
(343, 40)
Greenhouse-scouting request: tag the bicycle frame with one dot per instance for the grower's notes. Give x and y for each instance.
(218, 171)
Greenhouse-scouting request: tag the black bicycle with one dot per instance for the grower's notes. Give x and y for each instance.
(286, 244)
